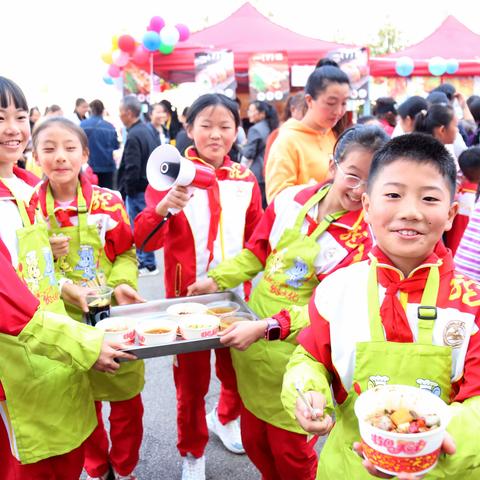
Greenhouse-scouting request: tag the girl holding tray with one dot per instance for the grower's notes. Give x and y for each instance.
(92, 243)
(212, 226)
(305, 234)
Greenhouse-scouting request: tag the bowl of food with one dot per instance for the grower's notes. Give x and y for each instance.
(117, 329)
(193, 327)
(223, 308)
(186, 308)
(402, 428)
(227, 320)
(156, 331)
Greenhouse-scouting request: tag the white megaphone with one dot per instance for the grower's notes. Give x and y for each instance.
(167, 168)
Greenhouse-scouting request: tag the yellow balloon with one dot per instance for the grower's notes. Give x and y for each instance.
(114, 42)
(107, 57)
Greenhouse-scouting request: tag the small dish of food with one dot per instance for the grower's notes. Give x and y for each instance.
(117, 329)
(186, 308)
(156, 331)
(227, 320)
(223, 308)
(193, 327)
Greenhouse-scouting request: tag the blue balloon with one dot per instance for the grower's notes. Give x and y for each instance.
(452, 66)
(151, 41)
(437, 66)
(404, 66)
(108, 80)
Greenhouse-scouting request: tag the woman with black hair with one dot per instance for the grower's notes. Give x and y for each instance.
(265, 119)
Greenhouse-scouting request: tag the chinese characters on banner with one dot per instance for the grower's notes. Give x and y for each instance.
(215, 71)
(269, 77)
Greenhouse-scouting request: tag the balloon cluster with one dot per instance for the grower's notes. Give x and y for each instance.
(159, 39)
(404, 66)
(438, 66)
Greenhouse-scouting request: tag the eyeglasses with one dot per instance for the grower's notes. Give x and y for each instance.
(351, 181)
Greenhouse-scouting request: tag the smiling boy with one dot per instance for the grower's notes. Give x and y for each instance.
(366, 323)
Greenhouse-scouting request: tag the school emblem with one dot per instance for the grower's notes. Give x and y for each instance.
(454, 333)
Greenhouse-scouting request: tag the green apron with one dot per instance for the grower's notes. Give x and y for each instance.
(86, 261)
(50, 405)
(394, 363)
(289, 279)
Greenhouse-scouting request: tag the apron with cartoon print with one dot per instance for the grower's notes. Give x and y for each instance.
(288, 280)
(42, 393)
(86, 261)
(420, 364)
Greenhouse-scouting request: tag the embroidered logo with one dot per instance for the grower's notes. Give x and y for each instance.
(297, 275)
(49, 266)
(86, 263)
(454, 333)
(377, 380)
(426, 384)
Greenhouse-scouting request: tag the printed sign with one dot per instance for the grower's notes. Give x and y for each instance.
(269, 76)
(215, 71)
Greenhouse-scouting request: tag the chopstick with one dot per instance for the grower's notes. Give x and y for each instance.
(313, 411)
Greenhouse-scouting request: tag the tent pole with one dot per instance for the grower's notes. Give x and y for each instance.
(151, 77)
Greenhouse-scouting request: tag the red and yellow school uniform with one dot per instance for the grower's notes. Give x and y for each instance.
(466, 202)
(101, 247)
(295, 254)
(212, 227)
(367, 328)
(52, 433)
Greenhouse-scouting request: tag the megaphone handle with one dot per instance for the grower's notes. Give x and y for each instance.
(174, 211)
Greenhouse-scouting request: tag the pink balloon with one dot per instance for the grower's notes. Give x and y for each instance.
(126, 43)
(114, 71)
(120, 59)
(141, 56)
(183, 30)
(156, 24)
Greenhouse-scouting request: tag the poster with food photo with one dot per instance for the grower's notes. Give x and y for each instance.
(269, 76)
(215, 71)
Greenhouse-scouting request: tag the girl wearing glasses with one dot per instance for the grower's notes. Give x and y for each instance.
(304, 235)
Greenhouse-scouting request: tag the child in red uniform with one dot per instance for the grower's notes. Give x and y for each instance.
(92, 241)
(467, 194)
(44, 441)
(212, 225)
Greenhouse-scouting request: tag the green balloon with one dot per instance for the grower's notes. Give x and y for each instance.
(166, 49)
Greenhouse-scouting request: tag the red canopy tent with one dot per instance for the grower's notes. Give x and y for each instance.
(452, 39)
(246, 31)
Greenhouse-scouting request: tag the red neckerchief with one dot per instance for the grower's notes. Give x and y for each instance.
(64, 214)
(394, 318)
(213, 199)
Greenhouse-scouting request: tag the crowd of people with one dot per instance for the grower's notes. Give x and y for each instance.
(337, 233)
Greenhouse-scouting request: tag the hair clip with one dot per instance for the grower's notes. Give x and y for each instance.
(423, 112)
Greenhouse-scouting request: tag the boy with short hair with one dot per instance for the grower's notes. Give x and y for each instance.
(366, 325)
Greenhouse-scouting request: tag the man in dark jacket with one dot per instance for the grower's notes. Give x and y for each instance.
(132, 176)
(102, 141)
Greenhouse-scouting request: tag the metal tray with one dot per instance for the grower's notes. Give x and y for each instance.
(154, 307)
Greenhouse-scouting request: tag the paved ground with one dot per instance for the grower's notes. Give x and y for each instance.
(159, 459)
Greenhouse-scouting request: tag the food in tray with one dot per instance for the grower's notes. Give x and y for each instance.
(193, 327)
(156, 331)
(117, 329)
(403, 421)
(186, 308)
(223, 308)
(227, 320)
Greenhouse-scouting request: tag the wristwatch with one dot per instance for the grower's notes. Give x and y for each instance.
(273, 330)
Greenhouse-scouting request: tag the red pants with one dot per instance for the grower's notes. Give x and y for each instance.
(126, 432)
(192, 378)
(61, 467)
(278, 453)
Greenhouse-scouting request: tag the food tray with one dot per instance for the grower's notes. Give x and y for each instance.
(154, 307)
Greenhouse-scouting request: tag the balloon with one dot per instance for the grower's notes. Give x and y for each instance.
(114, 42)
(126, 43)
(437, 66)
(120, 59)
(156, 24)
(118, 82)
(169, 35)
(404, 66)
(151, 41)
(107, 57)
(141, 56)
(108, 80)
(452, 66)
(114, 71)
(166, 49)
(183, 31)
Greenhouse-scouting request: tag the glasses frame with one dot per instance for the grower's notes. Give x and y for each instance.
(358, 181)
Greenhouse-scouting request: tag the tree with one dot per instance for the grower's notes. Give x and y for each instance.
(389, 40)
